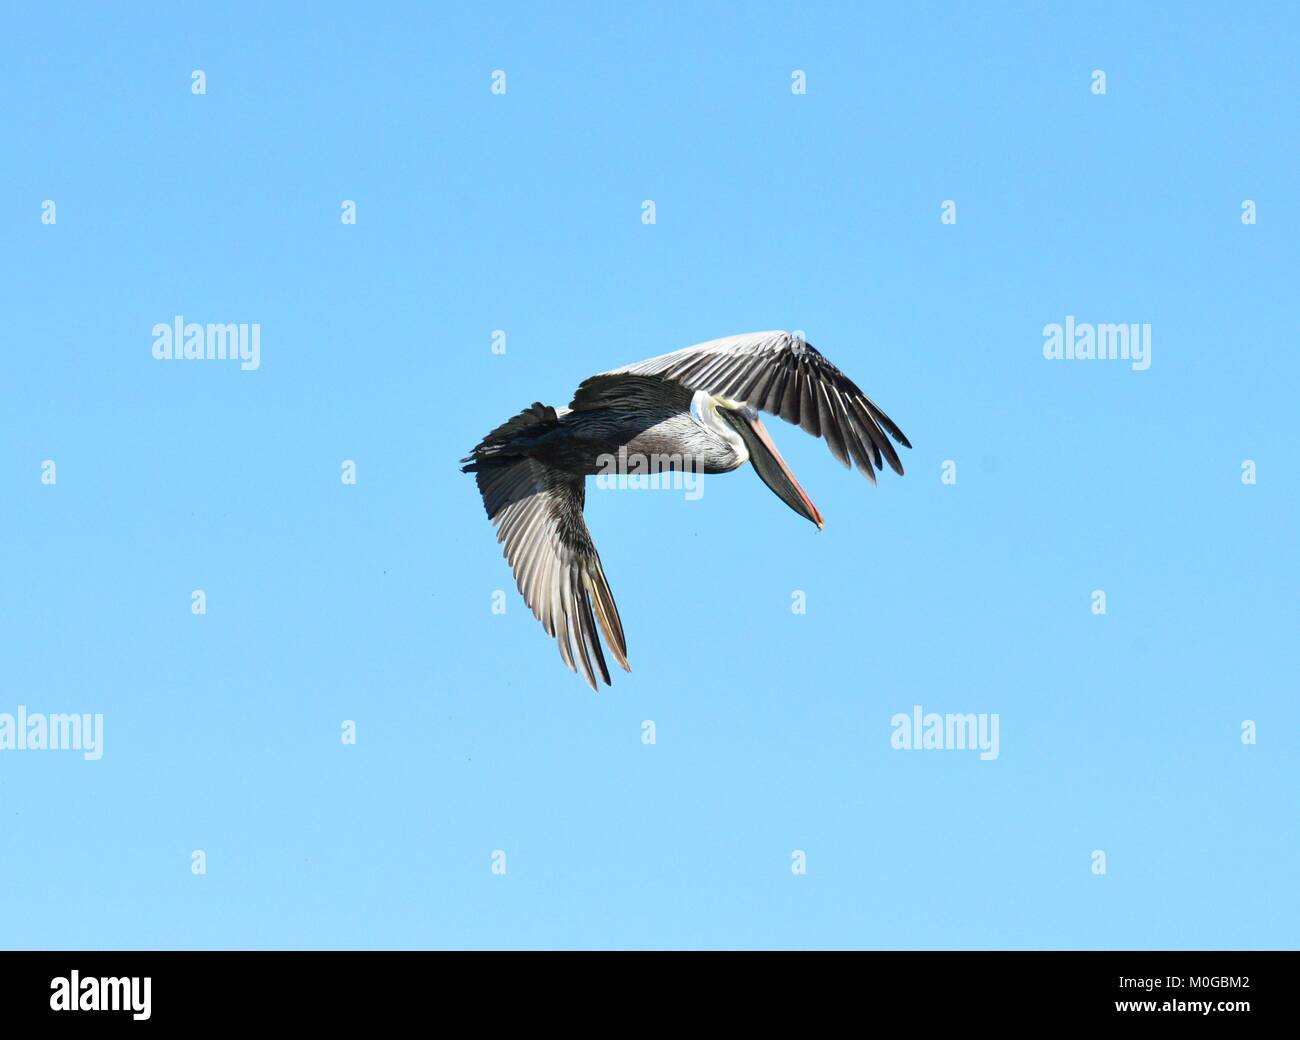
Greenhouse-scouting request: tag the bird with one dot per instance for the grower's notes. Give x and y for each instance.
(697, 407)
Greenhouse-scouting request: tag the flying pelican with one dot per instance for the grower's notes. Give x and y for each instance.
(696, 407)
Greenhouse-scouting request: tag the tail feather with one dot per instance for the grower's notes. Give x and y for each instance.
(508, 441)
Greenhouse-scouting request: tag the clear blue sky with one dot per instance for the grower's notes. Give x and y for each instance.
(522, 212)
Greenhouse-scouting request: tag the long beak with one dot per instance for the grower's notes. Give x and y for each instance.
(769, 464)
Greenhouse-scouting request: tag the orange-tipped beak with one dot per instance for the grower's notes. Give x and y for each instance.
(769, 464)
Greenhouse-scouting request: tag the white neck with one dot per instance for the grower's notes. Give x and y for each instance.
(704, 410)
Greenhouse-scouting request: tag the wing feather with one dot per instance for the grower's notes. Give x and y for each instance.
(778, 373)
(537, 510)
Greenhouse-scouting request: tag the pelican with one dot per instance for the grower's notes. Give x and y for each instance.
(695, 407)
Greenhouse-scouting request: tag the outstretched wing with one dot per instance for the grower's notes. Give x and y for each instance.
(779, 373)
(537, 510)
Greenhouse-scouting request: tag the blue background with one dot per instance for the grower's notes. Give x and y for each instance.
(523, 213)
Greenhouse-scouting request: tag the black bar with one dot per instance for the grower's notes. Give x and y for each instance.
(342, 989)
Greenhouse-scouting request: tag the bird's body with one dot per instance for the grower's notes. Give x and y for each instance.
(644, 418)
(696, 408)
